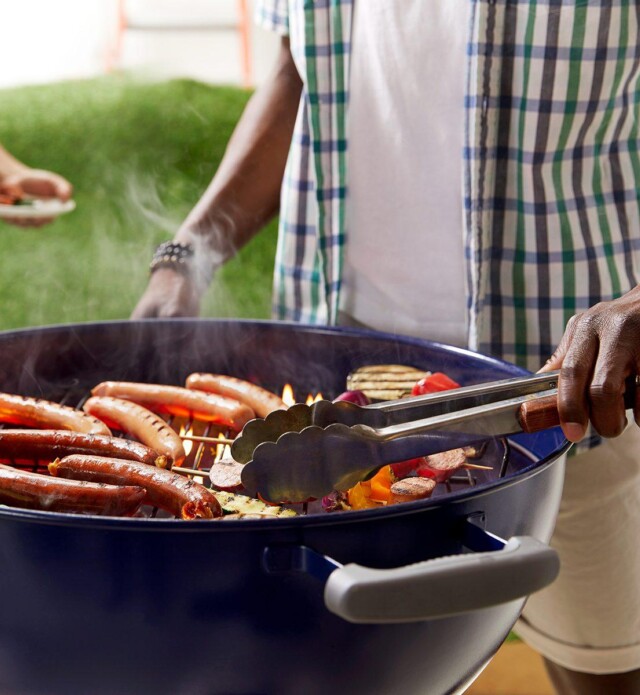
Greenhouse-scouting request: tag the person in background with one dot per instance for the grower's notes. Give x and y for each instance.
(18, 181)
(466, 172)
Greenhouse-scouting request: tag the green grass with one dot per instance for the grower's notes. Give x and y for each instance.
(139, 156)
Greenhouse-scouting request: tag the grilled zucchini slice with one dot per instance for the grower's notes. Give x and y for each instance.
(241, 505)
(385, 382)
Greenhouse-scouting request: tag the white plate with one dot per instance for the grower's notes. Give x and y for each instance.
(37, 209)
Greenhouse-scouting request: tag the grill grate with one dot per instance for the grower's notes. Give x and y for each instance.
(202, 455)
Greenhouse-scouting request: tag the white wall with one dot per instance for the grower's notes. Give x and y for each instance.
(50, 40)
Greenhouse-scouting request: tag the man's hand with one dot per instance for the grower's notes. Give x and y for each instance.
(35, 183)
(168, 294)
(599, 349)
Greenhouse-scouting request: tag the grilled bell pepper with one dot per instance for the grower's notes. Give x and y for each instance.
(437, 381)
(381, 485)
(359, 496)
(373, 492)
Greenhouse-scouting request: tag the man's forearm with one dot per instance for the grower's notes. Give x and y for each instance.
(245, 191)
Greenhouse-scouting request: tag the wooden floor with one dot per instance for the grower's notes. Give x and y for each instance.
(515, 670)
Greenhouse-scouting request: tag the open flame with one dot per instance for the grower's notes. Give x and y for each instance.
(186, 443)
(290, 399)
(222, 450)
(287, 395)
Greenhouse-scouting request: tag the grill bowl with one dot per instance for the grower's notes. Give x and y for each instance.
(135, 605)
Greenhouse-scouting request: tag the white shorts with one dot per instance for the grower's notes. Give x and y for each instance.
(588, 620)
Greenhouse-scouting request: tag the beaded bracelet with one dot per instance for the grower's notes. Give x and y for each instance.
(174, 255)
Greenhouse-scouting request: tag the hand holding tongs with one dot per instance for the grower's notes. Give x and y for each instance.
(308, 451)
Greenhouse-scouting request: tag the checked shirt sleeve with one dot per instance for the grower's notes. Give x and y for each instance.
(273, 15)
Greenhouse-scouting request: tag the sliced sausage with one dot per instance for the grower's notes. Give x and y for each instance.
(225, 474)
(412, 489)
(442, 466)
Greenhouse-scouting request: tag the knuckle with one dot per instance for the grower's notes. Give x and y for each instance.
(617, 324)
(627, 323)
(571, 323)
(604, 389)
(574, 370)
(589, 321)
(574, 318)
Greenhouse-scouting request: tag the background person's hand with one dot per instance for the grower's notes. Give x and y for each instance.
(35, 183)
(38, 183)
(599, 349)
(169, 294)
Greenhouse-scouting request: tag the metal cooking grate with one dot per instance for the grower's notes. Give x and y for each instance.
(496, 453)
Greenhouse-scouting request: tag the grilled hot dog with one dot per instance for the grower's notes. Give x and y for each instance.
(37, 412)
(46, 445)
(139, 422)
(261, 401)
(36, 491)
(180, 401)
(174, 493)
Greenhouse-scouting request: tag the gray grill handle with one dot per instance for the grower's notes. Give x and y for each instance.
(441, 587)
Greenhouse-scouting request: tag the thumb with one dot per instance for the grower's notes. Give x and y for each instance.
(44, 184)
(555, 361)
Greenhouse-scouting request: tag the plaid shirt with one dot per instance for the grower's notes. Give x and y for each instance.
(551, 165)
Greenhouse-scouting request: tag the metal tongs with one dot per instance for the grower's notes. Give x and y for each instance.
(308, 451)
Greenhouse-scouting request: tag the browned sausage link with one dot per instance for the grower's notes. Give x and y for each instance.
(45, 445)
(36, 412)
(261, 401)
(35, 491)
(141, 423)
(174, 493)
(180, 401)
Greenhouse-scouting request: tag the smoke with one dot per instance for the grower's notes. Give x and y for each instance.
(147, 212)
(124, 243)
(143, 203)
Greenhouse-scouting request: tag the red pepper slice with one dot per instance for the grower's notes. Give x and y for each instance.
(402, 469)
(437, 381)
(439, 476)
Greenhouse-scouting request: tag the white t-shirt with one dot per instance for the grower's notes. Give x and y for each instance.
(404, 270)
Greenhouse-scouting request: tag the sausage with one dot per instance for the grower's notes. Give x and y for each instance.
(141, 423)
(177, 494)
(180, 401)
(261, 401)
(46, 445)
(37, 412)
(7, 198)
(443, 465)
(35, 491)
(225, 474)
(412, 489)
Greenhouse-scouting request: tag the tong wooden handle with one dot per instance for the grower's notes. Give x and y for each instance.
(539, 414)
